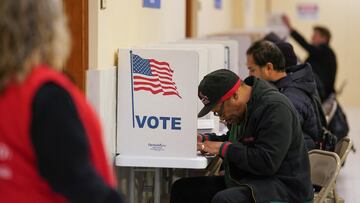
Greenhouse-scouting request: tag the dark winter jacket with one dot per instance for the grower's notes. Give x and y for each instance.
(323, 61)
(267, 152)
(298, 86)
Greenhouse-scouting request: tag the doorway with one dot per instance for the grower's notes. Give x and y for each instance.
(77, 64)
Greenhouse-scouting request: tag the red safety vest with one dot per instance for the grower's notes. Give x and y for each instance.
(20, 180)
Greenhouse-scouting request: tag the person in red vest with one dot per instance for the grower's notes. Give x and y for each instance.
(51, 147)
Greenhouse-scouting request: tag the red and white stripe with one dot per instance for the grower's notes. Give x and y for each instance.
(159, 82)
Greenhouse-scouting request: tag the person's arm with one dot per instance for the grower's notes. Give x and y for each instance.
(311, 49)
(62, 149)
(214, 137)
(274, 134)
(297, 37)
(210, 142)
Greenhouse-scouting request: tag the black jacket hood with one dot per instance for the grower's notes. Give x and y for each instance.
(299, 76)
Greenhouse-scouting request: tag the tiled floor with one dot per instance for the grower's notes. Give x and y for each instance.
(348, 182)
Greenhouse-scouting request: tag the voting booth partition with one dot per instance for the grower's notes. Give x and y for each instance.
(255, 33)
(101, 92)
(231, 50)
(243, 42)
(157, 108)
(211, 57)
(245, 37)
(156, 117)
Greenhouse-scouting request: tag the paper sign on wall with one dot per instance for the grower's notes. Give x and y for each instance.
(307, 11)
(151, 3)
(218, 4)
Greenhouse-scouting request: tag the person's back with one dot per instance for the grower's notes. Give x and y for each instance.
(26, 164)
(299, 86)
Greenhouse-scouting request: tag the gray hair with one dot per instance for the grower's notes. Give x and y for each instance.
(31, 32)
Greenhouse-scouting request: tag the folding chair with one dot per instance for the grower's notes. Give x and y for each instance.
(213, 168)
(325, 167)
(343, 148)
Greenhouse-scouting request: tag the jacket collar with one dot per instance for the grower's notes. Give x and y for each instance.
(302, 72)
(259, 88)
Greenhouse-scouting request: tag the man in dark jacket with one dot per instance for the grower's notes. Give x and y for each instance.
(321, 57)
(296, 83)
(264, 153)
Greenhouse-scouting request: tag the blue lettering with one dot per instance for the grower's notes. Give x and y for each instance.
(142, 122)
(175, 123)
(164, 119)
(153, 122)
(156, 123)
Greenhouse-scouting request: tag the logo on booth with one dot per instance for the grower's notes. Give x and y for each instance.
(153, 76)
(156, 77)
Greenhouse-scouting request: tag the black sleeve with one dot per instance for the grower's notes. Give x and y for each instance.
(274, 133)
(215, 137)
(301, 40)
(62, 149)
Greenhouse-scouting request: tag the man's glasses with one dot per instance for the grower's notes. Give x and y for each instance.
(221, 111)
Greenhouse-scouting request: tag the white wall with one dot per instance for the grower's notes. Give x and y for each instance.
(126, 23)
(211, 20)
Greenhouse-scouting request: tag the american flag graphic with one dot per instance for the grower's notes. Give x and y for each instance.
(153, 76)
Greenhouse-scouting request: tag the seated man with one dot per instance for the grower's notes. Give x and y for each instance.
(264, 153)
(266, 61)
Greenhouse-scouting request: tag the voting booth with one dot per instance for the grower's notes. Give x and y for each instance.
(211, 57)
(157, 108)
(215, 52)
(244, 42)
(101, 92)
(245, 37)
(148, 106)
(157, 115)
(231, 50)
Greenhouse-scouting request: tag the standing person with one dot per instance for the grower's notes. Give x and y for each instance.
(264, 154)
(51, 149)
(320, 55)
(266, 60)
